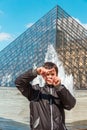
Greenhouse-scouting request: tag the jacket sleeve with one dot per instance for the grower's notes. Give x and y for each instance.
(66, 98)
(24, 85)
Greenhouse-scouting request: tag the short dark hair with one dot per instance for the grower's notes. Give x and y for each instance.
(50, 65)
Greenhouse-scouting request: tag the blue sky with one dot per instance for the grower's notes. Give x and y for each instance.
(17, 15)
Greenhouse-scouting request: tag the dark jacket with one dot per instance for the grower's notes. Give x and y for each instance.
(47, 103)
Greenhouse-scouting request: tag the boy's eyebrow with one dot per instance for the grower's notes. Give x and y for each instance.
(50, 70)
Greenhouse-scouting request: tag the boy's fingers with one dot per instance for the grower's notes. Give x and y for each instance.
(56, 82)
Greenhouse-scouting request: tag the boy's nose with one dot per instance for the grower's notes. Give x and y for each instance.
(50, 76)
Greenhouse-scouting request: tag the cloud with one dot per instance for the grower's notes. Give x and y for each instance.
(29, 25)
(83, 24)
(5, 36)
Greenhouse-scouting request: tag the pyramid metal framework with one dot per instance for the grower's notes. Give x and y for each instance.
(57, 28)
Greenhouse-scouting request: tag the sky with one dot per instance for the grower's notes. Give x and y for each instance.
(18, 15)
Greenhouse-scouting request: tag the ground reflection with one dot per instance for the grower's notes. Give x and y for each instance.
(78, 125)
(8, 124)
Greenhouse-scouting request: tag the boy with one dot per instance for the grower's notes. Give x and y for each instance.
(47, 103)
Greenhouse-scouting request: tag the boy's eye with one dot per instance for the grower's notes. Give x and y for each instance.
(52, 74)
(47, 74)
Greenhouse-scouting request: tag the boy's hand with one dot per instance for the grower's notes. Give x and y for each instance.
(56, 81)
(41, 71)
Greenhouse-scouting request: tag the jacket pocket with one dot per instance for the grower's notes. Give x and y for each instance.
(57, 122)
(36, 123)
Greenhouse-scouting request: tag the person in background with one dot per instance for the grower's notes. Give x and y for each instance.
(47, 103)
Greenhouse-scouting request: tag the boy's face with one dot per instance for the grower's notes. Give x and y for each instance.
(50, 76)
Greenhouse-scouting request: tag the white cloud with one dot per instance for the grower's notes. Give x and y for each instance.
(29, 25)
(5, 36)
(83, 24)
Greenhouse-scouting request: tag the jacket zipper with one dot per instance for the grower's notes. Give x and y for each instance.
(51, 110)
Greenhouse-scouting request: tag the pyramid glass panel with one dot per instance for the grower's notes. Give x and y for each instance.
(57, 28)
(28, 49)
